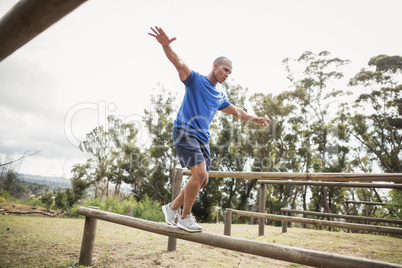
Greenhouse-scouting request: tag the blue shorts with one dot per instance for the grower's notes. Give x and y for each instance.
(190, 150)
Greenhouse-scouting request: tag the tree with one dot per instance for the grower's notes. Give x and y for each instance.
(10, 182)
(114, 157)
(274, 149)
(377, 120)
(310, 75)
(129, 162)
(8, 176)
(97, 146)
(64, 200)
(395, 204)
(78, 187)
(159, 122)
(320, 148)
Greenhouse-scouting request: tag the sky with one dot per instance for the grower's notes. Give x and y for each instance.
(99, 60)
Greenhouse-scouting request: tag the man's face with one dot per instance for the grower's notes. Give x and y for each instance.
(223, 70)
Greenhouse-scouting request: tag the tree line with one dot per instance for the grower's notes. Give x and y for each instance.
(321, 124)
(325, 122)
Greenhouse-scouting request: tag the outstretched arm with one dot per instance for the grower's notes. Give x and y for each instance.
(165, 41)
(241, 114)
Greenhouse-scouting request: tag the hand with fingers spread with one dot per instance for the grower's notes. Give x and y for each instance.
(161, 36)
(242, 115)
(263, 121)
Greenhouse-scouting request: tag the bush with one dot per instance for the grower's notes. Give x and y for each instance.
(395, 204)
(2, 200)
(74, 212)
(47, 199)
(145, 209)
(33, 202)
(5, 195)
(61, 201)
(64, 200)
(113, 204)
(148, 209)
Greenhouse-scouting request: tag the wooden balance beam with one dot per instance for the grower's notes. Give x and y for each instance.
(279, 252)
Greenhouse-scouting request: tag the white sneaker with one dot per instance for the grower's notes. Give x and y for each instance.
(170, 214)
(189, 224)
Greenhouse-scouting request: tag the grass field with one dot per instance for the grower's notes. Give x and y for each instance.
(30, 241)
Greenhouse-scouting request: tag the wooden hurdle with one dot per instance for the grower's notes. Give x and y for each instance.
(334, 184)
(323, 179)
(339, 177)
(366, 203)
(349, 217)
(367, 177)
(352, 226)
(269, 250)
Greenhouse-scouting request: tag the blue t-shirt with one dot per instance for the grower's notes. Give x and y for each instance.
(200, 103)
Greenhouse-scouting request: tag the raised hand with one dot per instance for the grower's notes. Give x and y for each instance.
(161, 36)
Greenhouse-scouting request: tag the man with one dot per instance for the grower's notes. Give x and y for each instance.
(191, 127)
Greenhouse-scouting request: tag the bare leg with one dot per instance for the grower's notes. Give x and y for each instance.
(205, 182)
(178, 202)
(190, 191)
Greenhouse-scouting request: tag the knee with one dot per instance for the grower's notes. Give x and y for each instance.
(205, 182)
(202, 177)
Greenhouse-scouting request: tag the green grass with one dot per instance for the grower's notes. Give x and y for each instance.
(27, 241)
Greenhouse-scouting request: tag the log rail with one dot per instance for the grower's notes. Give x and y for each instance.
(28, 18)
(352, 226)
(333, 215)
(269, 250)
(334, 184)
(367, 177)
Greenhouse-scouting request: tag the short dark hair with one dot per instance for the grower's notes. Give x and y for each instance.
(220, 60)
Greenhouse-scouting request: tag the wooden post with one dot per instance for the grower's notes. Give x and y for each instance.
(284, 224)
(261, 222)
(176, 188)
(28, 18)
(228, 222)
(88, 241)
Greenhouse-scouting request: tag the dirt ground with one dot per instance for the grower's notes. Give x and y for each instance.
(27, 241)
